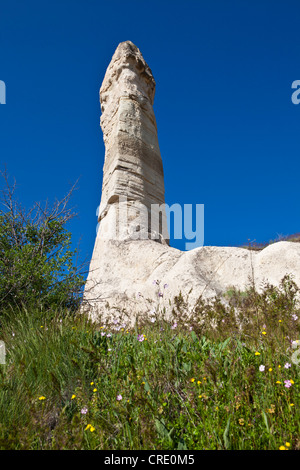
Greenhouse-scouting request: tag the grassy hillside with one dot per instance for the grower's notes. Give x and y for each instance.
(70, 384)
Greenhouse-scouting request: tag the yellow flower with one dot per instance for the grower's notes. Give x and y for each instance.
(90, 427)
(94, 390)
(292, 382)
(200, 396)
(42, 326)
(42, 398)
(204, 378)
(143, 383)
(72, 397)
(257, 353)
(217, 408)
(282, 448)
(278, 382)
(270, 370)
(287, 444)
(193, 380)
(92, 383)
(291, 404)
(199, 382)
(279, 367)
(264, 333)
(241, 422)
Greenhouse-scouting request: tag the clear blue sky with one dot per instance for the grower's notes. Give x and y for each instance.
(229, 134)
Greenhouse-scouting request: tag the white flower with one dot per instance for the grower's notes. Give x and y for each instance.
(261, 368)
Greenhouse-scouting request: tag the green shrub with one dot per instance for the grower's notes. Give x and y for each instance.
(36, 260)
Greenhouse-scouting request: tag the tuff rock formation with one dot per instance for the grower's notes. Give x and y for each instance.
(133, 270)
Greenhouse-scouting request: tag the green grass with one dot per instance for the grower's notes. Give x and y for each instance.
(188, 386)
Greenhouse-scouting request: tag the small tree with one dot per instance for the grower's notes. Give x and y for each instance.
(36, 260)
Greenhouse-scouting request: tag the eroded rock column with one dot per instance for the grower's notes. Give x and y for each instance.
(133, 173)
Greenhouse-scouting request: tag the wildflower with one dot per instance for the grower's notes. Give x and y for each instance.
(94, 390)
(294, 317)
(155, 282)
(119, 397)
(72, 397)
(257, 353)
(92, 383)
(292, 382)
(192, 380)
(292, 404)
(84, 410)
(287, 383)
(241, 421)
(279, 366)
(140, 338)
(261, 368)
(199, 382)
(103, 333)
(282, 448)
(90, 427)
(42, 398)
(263, 333)
(278, 382)
(174, 326)
(153, 320)
(109, 349)
(280, 321)
(143, 383)
(287, 444)
(160, 294)
(271, 409)
(200, 396)
(270, 370)
(109, 335)
(287, 365)
(166, 286)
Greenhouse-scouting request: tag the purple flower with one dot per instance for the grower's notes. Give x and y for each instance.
(174, 326)
(140, 338)
(152, 320)
(84, 410)
(109, 335)
(294, 317)
(119, 397)
(166, 286)
(102, 333)
(287, 365)
(160, 294)
(287, 383)
(155, 282)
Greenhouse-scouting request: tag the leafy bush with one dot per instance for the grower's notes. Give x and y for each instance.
(36, 260)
